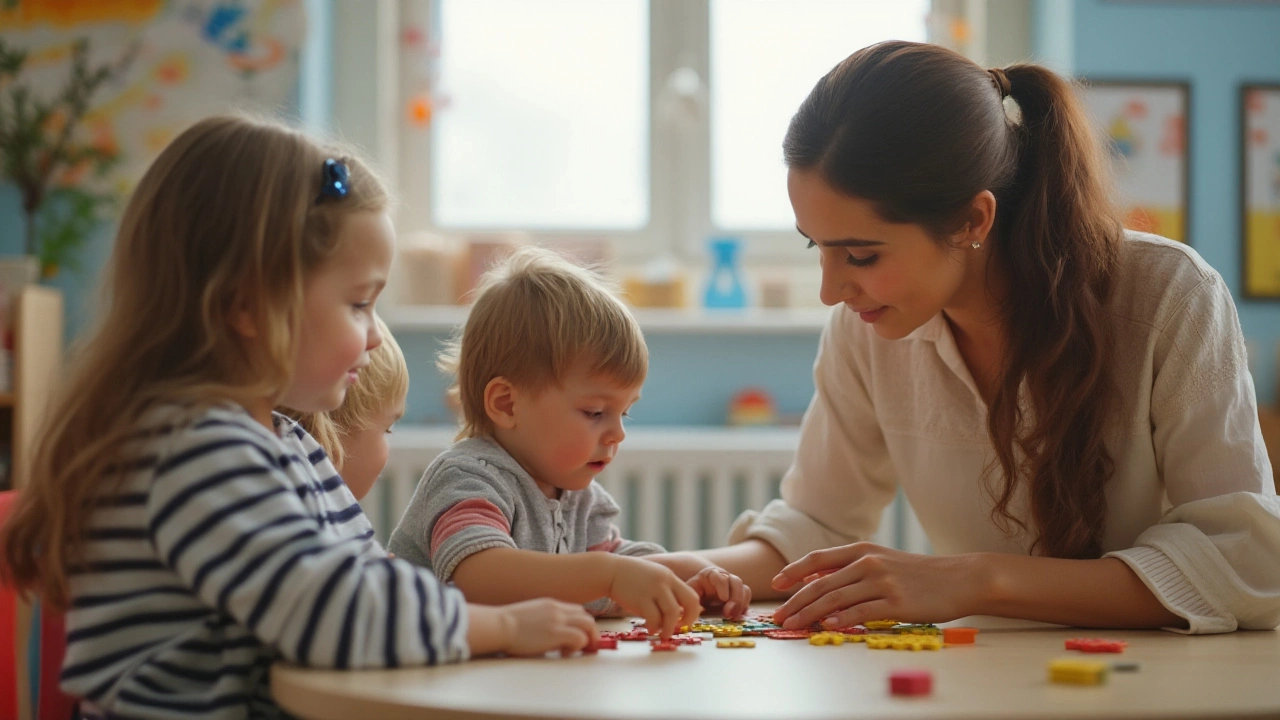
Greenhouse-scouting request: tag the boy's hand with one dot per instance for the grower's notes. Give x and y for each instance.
(654, 593)
(536, 627)
(719, 587)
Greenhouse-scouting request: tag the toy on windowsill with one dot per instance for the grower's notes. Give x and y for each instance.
(725, 289)
(659, 284)
(752, 407)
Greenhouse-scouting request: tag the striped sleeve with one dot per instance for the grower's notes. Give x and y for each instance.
(348, 519)
(226, 516)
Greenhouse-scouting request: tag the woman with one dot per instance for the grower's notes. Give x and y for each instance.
(1066, 405)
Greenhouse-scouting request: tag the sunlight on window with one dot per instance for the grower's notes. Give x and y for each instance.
(765, 58)
(548, 118)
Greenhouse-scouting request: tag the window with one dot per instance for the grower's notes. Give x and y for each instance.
(547, 124)
(765, 58)
(656, 122)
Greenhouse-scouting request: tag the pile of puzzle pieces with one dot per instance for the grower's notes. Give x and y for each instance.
(877, 634)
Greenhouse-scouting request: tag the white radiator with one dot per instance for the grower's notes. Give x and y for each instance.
(679, 487)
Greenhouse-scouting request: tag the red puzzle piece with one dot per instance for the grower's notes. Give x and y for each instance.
(910, 682)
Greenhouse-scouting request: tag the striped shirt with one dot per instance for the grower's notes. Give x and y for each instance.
(230, 547)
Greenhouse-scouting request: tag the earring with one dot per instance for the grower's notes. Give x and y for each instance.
(975, 245)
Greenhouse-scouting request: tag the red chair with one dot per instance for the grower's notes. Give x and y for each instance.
(32, 643)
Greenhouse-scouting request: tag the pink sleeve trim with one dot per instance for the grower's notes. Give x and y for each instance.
(468, 513)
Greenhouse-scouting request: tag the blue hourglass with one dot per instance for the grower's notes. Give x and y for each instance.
(725, 288)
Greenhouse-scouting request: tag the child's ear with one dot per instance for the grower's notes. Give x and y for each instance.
(241, 318)
(500, 403)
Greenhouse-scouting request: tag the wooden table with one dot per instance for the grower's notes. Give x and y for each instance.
(1004, 675)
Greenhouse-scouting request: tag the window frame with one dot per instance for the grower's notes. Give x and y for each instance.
(679, 168)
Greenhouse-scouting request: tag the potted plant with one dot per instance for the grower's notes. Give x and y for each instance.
(41, 154)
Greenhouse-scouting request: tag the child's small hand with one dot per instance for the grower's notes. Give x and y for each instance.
(718, 586)
(536, 627)
(655, 593)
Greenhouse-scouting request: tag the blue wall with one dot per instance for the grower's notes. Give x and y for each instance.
(1216, 46)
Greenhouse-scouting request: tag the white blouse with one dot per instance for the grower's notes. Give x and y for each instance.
(1191, 507)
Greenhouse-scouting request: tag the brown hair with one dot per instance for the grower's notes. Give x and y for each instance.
(225, 221)
(382, 385)
(919, 131)
(535, 316)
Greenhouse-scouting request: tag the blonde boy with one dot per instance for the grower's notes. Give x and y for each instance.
(355, 435)
(547, 366)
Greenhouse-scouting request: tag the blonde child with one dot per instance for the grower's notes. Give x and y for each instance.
(355, 435)
(190, 532)
(547, 366)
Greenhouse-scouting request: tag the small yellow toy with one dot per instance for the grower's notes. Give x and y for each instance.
(726, 631)
(880, 624)
(1078, 672)
(735, 643)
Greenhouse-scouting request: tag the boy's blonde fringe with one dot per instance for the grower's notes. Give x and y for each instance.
(535, 316)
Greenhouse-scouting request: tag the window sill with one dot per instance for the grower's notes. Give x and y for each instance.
(650, 438)
(779, 321)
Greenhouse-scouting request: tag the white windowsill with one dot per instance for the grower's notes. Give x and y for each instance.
(444, 318)
(646, 438)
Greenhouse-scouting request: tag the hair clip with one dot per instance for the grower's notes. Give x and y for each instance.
(334, 182)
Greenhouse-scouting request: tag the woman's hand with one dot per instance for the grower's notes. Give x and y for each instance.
(853, 584)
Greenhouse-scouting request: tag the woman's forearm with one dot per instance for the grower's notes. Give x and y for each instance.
(755, 561)
(1102, 593)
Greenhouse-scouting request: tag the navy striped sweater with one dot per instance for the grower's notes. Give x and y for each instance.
(230, 547)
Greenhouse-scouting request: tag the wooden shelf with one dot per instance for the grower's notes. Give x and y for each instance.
(444, 318)
(37, 319)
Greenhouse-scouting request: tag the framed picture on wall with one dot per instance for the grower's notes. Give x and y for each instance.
(1145, 125)
(1260, 190)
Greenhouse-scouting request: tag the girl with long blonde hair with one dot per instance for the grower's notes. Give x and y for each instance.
(193, 535)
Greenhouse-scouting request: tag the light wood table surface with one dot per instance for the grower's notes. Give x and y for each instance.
(1004, 675)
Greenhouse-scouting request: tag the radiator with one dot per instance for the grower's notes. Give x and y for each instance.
(679, 487)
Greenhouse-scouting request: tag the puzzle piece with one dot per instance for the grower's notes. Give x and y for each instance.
(910, 682)
(903, 642)
(1096, 645)
(662, 646)
(908, 629)
(880, 624)
(959, 636)
(1078, 672)
(601, 643)
(636, 635)
(735, 643)
(826, 638)
(788, 634)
